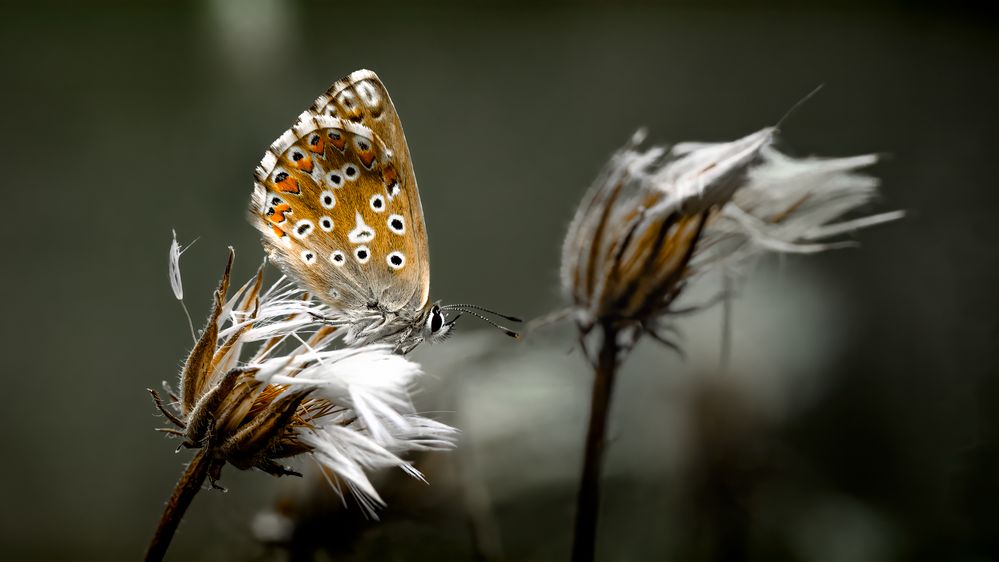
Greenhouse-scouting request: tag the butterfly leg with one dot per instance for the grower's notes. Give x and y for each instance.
(404, 350)
(321, 319)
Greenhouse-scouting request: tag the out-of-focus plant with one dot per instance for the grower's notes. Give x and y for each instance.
(658, 219)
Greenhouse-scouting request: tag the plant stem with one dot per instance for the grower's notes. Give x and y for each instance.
(587, 500)
(187, 487)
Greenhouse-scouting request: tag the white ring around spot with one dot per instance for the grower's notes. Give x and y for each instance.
(367, 254)
(400, 255)
(303, 229)
(327, 194)
(393, 218)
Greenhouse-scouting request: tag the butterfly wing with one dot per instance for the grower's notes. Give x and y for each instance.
(328, 198)
(361, 98)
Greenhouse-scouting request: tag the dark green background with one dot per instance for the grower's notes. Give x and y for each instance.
(121, 121)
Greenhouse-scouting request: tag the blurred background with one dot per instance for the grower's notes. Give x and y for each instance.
(857, 422)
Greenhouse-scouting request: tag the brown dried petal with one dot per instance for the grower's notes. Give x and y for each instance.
(197, 368)
(252, 443)
(227, 348)
(208, 407)
(237, 406)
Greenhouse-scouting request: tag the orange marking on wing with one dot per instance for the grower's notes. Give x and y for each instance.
(350, 107)
(288, 185)
(338, 140)
(389, 175)
(278, 232)
(317, 147)
(278, 216)
(305, 164)
(367, 157)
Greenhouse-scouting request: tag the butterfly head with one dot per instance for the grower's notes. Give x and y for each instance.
(436, 326)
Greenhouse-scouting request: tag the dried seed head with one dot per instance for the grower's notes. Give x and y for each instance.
(289, 399)
(656, 218)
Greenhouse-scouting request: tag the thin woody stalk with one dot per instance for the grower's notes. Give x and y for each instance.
(183, 493)
(588, 496)
(658, 218)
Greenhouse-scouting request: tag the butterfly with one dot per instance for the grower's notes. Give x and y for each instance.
(336, 200)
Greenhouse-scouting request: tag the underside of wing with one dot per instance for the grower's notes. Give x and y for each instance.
(327, 200)
(362, 98)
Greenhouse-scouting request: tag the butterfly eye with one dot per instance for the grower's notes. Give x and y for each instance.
(336, 179)
(338, 258)
(350, 171)
(436, 320)
(396, 224)
(378, 203)
(297, 156)
(308, 257)
(326, 224)
(327, 199)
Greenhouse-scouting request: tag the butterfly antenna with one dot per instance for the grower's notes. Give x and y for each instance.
(506, 330)
(798, 104)
(468, 307)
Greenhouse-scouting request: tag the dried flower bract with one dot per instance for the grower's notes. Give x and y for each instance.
(658, 217)
(349, 409)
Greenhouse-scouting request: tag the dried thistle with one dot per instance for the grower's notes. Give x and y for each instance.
(347, 408)
(658, 218)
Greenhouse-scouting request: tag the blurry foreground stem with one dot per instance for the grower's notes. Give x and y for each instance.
(187, 487)
(587, 500)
